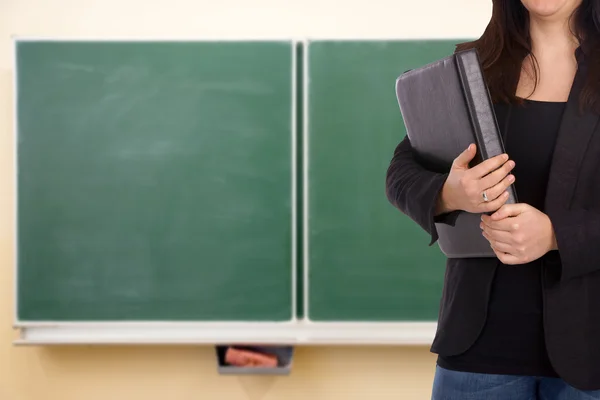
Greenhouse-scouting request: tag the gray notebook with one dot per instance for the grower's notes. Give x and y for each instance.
(446, 106)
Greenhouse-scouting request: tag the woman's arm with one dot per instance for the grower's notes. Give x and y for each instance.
(416, 191)
(577, 235)
(428, 197)
(521, 233)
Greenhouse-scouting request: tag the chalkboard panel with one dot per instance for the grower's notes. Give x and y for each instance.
(155, 180)
(366, 260)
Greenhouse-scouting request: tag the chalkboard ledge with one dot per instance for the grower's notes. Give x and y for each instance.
(289, 333)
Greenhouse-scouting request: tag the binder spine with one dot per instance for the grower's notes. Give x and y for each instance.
(481, 111)
(468, 82)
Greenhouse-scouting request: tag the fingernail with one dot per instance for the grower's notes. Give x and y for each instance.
(511, 178)
(511, 164)
(470, 147)
(505, 157)
(505, 194)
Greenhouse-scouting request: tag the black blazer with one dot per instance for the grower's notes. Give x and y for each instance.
(571, 279)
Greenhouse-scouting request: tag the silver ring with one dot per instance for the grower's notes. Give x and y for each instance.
(485, 198)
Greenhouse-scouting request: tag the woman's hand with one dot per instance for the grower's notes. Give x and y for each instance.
(464, 188)
(518, 233)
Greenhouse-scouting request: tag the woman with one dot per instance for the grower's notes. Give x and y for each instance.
(526, 324)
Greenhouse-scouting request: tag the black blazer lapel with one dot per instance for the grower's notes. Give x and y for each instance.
(575, 131)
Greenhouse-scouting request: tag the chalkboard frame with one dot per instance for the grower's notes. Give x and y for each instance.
(298, 331)
(27, 326)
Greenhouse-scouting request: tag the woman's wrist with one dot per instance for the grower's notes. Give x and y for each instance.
(443, 206)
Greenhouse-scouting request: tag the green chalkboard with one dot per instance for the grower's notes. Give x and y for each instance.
(155, 180)
(367, 261)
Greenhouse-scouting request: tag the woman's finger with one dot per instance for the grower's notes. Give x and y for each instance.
(487, 166)
(501, 247)
(493, 205)
(497, 177)
(496, 236)
(497, 190)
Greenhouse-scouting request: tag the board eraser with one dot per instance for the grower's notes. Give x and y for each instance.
(247, 358)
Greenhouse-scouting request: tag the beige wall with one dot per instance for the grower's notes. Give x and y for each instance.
(89, 373)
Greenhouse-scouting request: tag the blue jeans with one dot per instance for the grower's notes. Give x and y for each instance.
(453, 385)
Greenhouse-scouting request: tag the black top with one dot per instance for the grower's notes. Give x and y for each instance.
(512, 340)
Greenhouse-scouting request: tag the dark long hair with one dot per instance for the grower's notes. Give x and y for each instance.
(506, 43)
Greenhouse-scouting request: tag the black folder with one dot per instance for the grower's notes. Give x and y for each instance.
(446, 105)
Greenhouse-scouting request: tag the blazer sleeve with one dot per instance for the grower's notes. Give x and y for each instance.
(577, 235)
(414, 190)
